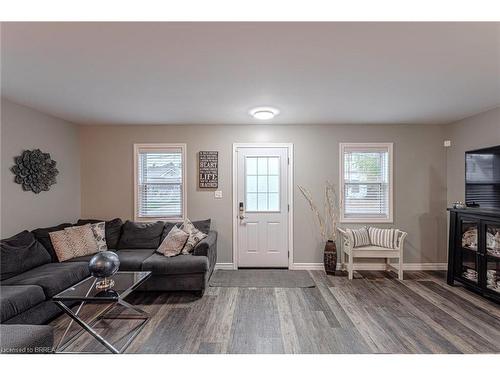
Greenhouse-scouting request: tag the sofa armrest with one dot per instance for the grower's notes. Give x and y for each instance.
(208, 247)
(203, 247)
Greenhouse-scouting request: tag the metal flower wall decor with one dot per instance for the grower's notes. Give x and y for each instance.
(35, 171)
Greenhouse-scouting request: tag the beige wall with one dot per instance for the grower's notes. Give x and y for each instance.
(474, 132)
(419, 176)
(426, 175)
(24, 128)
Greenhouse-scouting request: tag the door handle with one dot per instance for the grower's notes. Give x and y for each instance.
(242, 211)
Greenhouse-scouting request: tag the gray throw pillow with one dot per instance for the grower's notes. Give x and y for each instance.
(141, 235)
(42, 235)
(21, 253)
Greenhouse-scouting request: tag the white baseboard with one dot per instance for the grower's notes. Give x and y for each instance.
(224, 266)
(357, 266)
(425, 266)
(307, 266)
(376, 266)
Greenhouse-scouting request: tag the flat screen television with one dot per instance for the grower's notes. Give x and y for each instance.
(482, 178)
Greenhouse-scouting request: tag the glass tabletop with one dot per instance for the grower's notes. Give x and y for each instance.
(85, 290)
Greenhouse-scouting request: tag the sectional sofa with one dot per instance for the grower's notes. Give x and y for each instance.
(31, 274)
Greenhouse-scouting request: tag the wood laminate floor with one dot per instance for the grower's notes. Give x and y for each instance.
(374, 313)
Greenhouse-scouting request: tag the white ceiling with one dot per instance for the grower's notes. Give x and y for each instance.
(196, 73)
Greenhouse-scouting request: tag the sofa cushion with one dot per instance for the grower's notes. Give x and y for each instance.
(112, 229)
(42, 235)
(131, 259)
(26, 339)
(52, 277)
(85, 258)
(16, 299)
(21, 253)
(201, 225)
(138, 235)
(181, 264)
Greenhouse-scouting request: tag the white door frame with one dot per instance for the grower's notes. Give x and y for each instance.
(289, 147)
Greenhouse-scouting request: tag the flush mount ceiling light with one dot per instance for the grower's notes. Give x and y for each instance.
(264, 113)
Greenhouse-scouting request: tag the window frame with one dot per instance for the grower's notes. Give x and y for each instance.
(363, 147)
(155, 146)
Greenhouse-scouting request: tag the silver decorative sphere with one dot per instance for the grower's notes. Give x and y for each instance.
(104, 264)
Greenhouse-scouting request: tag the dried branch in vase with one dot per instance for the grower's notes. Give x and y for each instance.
(307, 194)
(327, 224)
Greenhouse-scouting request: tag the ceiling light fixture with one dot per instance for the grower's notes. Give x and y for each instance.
(264, 113)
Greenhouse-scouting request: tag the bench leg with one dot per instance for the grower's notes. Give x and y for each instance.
(400, 269)
(350, 267)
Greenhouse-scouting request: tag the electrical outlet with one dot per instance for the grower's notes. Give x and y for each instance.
(447, 143)
(218, 194)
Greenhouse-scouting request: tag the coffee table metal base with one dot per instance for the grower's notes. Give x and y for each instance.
(89, 326)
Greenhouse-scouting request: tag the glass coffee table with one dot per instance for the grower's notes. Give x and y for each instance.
(85, 292)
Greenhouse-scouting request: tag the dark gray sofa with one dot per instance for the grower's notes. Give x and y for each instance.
(26, 339)
(31, 275)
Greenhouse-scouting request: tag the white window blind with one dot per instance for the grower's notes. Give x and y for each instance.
(366, 182)
(160, 180)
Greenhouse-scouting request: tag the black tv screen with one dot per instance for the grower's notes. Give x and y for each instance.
(482, 177)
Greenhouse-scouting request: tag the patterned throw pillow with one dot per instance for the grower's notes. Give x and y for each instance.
(359, 237)
(173, 244)
(195, 236)
(73, 242)
(99, 231)
(383, 237)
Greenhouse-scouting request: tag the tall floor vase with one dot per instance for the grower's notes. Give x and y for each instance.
(330, 257)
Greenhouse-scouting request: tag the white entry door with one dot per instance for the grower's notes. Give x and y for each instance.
(262, 206)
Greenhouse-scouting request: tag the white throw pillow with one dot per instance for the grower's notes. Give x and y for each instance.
(173, 243)
(195, 236)
(99, 231)
(73, 242)
(359, 237)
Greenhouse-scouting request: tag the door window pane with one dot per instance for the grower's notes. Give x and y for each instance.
(274, 202)
(262, 187)
(262, 202)
(251, 166)
(262, 166)
(252, 184)
(274, 166)
(274, 184)
(251, 202)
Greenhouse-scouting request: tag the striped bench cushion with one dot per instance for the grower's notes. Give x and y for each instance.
(359, 237)
(383, 237)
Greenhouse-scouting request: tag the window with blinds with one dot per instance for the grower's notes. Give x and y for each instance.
(366, 182)
(159, 181)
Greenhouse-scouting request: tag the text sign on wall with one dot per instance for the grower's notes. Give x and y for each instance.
(209, 169)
